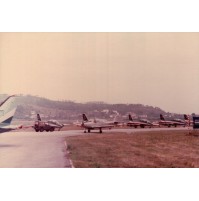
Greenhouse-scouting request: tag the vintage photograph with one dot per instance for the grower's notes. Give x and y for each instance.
(99, 100)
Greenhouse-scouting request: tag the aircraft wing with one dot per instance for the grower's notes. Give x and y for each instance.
(101, 126)
(54, 126)
(108, 126)
(96, 125)
(179, 123)
(166, 122)
(133, 124)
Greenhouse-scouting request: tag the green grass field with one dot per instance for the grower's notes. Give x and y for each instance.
(143, 149)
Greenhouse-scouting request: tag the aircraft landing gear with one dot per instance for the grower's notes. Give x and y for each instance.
(100, 130)
(52, 129)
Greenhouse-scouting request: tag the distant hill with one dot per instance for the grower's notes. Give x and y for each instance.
(29, 105)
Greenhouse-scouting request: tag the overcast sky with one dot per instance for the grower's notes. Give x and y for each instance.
(157, 69)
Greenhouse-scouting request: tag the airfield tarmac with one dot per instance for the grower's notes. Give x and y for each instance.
(23, 149)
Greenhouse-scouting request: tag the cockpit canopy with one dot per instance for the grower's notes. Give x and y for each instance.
(53, 122)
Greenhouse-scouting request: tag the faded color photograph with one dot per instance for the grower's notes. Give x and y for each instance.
(99, 100)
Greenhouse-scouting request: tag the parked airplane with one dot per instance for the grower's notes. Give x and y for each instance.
(7, 111)
(141, 123)
(169, 123)
(113, 122)
(49, 125)
(94, 125)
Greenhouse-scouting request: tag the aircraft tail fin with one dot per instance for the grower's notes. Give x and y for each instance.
(7, 110)
(84, 118)
(130, 118)
(38, 117)
(161, 117)
(186, 117)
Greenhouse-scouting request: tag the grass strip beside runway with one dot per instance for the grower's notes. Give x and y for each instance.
(147, 149)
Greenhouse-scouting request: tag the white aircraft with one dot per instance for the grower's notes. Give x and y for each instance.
(94, 125)
(7, 111)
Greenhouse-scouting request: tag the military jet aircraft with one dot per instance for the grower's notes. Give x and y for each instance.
(95, 125)
(114, 122)
(141, 123)
(7, 111)
(169, 123)
(49, 125)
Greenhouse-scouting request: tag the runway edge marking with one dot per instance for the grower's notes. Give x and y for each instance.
(70, 161)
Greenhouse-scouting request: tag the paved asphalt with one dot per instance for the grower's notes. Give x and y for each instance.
(44, 150)
(33, 150)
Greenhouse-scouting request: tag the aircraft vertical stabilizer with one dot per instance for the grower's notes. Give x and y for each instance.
(38, 117)
(130, 118)
(7, 110)
(85, 119)
(161, 117)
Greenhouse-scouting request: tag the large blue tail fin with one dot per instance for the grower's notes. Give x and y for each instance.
(7, 110)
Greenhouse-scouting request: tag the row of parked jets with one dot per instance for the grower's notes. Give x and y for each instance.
(8, 108)
(89, 125)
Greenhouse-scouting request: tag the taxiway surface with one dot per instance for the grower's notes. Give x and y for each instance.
(34, 150)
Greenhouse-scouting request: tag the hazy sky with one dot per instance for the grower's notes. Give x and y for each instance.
(158, 69)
